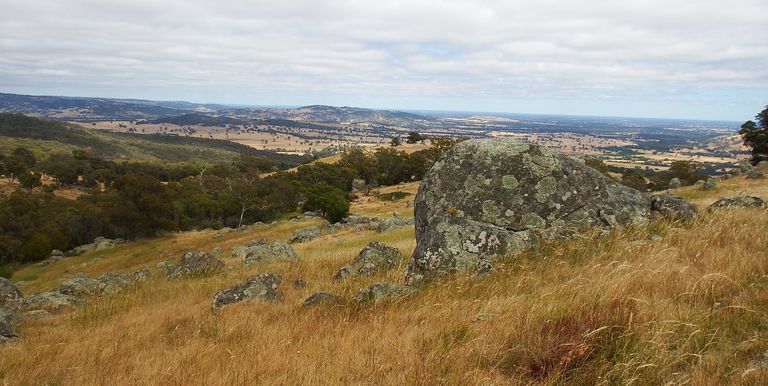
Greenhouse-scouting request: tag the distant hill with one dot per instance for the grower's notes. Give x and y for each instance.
(85, 109)
(198, 119)
(46, 136)
(322, 113)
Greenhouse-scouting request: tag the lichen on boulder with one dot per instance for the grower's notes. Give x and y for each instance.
(491, 198)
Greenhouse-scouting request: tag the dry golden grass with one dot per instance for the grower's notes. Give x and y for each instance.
(621, 309)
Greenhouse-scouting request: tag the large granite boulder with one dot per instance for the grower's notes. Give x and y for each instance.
(375, 257)
(8, 291)
(673, 208)
(194, 264)
(490, 198)
(262, 286)
(675, 183)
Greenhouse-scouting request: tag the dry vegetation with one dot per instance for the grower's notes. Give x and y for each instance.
(627, 308)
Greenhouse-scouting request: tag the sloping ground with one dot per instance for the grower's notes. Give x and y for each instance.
(690, 307)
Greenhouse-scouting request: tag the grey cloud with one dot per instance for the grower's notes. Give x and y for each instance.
(417, 48)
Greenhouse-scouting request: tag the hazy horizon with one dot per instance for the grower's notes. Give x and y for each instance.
(670, 59)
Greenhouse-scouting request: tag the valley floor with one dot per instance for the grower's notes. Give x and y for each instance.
(660, 304)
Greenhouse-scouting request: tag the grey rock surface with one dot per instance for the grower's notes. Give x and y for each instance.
(262, 250)
(262, 287)
(321, 298)
(305, 234)
(673, 207)
(492, 198)
(194, 264)
(375, 257)
(8, 292)
(737, 202)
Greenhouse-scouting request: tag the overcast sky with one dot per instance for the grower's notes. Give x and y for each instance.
(655, 58)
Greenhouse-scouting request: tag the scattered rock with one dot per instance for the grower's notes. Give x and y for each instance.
(354, 219)
(390, 224)
(81, 249)
(8, 292)
(383, 291)
(194, 264)
(492, 198)
(80, 285)
(112, 283)
(261, 250)
(304, 235)
(710, 184)
(699, 183)
(311, 214)
(51, 301)
(298, 283)
(263, 287)
(737, 202)
(375, 257)
(321, 298)
(675, 183)
(673, 207)
(215, 252)
(358, 184)
(107, 284)
(745, 165)
(101, 243)
(754, 174)
(8, 333)
(8, 317)
(762, 164)
(142, 274)
(217, 236)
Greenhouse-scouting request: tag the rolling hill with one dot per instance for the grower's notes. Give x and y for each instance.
(45, 136)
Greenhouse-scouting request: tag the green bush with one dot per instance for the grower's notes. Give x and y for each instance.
(6, 271)
(327, 200)
(394, 196)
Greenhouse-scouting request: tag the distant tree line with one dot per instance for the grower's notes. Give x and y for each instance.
(648, 179)
(139, 199)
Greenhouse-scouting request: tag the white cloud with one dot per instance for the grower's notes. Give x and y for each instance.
(341, 51)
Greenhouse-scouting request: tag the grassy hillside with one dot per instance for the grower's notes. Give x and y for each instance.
(690, 307)
(46, 136)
